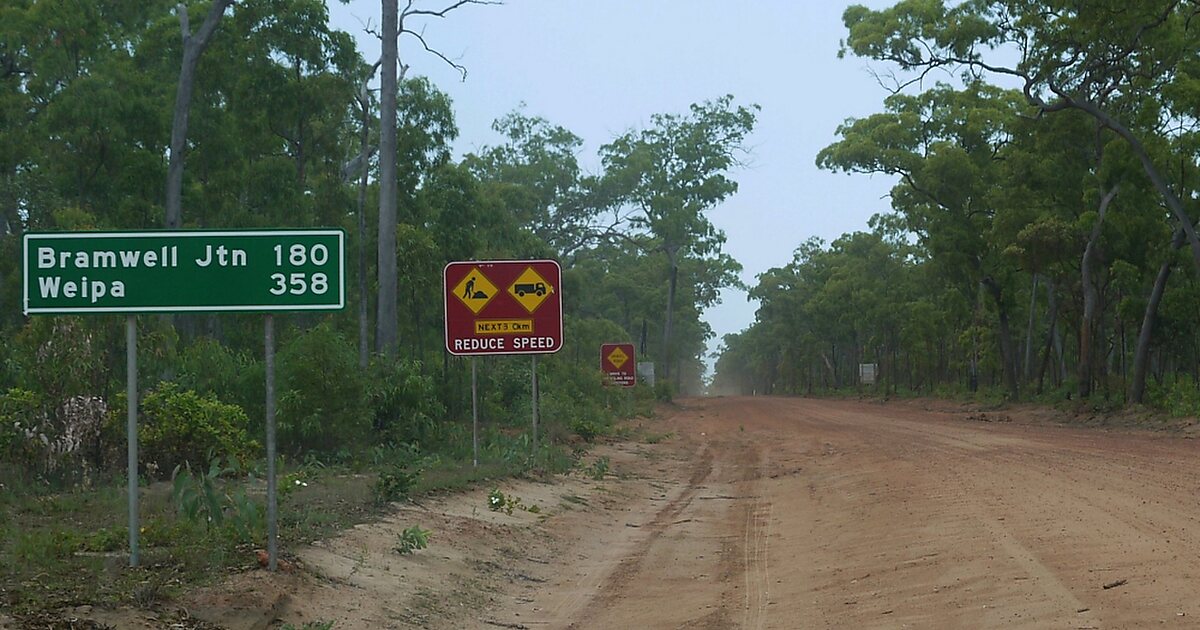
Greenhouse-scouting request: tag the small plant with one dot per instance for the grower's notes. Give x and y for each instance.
(499, 502)
(412, 539)
(598, 469)
(587, 430)
(196, 494)
(246, 517)
(655, 438)
(394, 484)
(199, 499)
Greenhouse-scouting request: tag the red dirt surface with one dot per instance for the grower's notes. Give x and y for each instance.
(787, 513)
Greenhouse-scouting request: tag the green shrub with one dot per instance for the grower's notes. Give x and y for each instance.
(394, 484)
(412, 539)
(404, 405)
(663, 392)
(181, 427)
(1180, 397)
(588, 430)
(208, 367)
(20, 411)
(322, 395)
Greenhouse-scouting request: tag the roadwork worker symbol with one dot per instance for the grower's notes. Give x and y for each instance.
(475, 290)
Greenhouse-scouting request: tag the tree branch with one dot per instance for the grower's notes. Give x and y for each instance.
(408, 10)
(462, 71)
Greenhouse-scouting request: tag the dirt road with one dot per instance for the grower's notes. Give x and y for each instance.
(780, 513)
(793, 513)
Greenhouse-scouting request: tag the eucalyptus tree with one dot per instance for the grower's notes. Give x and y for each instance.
(194, 45)
(1110, 59)
(396, 22)
(667, 176)
(947, 147)
(537, 172)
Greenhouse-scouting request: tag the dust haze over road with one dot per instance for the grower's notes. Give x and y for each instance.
(796, 513)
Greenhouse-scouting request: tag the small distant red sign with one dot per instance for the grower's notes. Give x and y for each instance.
(619, 364)
(503, 307)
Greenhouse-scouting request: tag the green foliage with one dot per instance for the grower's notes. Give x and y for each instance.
(197, 495)
(395, 483)
(404, 405)
(412, 539)
(201, 498)
(181, 428)
(1180, 398)
(598, 469)
(20, 411)
(587, 430)
(209, 367)
(499, 502)
(322, 394)
(61, 357)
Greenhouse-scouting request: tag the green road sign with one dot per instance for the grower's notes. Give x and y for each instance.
(168, 272)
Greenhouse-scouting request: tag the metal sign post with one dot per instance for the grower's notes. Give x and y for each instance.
(534, 400)
(272, 507)
(474, 416)
(131, 400)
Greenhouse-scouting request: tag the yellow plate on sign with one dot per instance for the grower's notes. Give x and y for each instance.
(503, 326)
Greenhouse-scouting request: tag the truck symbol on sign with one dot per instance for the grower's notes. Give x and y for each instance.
(530, 287)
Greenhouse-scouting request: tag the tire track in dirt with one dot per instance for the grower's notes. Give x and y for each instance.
(800, 513)
(615, 584)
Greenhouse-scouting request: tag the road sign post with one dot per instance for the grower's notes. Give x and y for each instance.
(502, 307)
(131, 442)
(185, 271)
(618, 362)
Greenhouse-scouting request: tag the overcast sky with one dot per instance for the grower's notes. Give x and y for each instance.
(601, 67)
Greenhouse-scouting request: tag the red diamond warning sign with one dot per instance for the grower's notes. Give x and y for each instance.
(523, 317)
(618, 364)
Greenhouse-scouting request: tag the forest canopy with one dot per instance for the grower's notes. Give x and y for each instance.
(1041, 240)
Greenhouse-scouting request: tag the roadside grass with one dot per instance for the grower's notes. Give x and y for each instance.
(60, 549)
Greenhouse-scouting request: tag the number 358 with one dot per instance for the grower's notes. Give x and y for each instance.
(299, 283)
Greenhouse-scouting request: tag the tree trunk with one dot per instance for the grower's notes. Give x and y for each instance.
(386, 339)
(193, 47)
(1141, 355)
(672, 282)
(1051, 333)
(1007, 356)
(1160, 184)
(1028, 363)
(364, 319)
(1091, 298)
